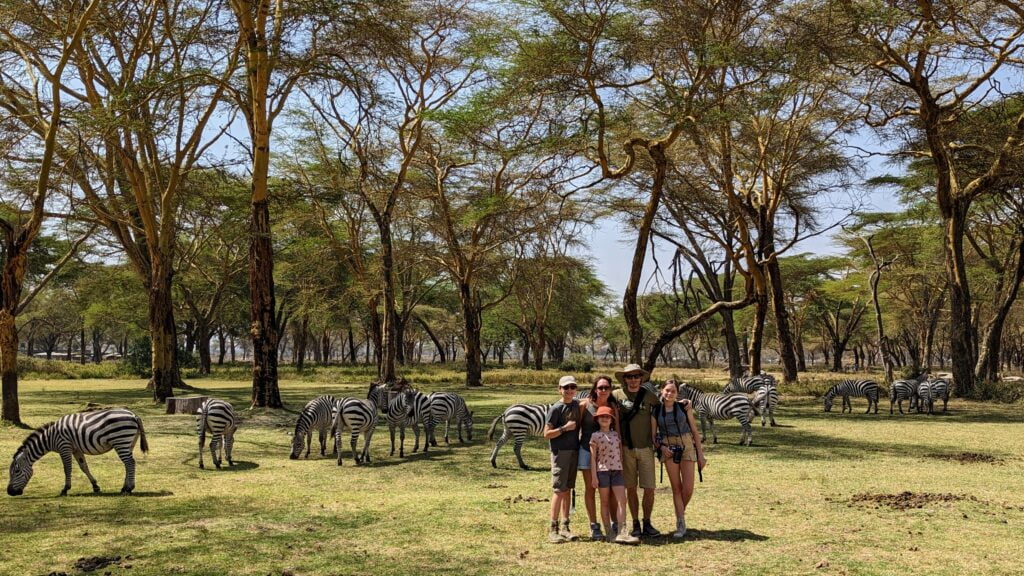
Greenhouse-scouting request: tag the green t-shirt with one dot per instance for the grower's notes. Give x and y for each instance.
(640, 425)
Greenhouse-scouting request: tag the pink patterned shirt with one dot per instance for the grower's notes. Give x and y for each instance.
(607, 450)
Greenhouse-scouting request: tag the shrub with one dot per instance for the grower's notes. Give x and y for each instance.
(577, 363)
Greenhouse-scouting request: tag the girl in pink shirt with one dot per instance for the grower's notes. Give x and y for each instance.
(606, 470)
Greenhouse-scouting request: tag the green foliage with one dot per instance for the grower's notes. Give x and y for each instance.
(577, 363)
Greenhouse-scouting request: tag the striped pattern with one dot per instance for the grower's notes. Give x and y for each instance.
(765, 399)
(359, 417)
(747, 384)
(847, 388)
(711, 406)
(905, 390)
(520, 421)
(447, 407)
(75, 436)
(218, 418)
(317, 414)
(930, 391)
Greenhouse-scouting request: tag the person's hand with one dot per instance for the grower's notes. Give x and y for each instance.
(701, 461)
(665, 453)
(686, 403)
(569, 426)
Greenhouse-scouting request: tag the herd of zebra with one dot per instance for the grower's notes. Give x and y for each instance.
(74, 436)
(740, 399)
(921, 392)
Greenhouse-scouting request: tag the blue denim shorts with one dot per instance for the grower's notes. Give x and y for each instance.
(583, 463)
(610, 478)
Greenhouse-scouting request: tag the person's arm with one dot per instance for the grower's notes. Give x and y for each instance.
(595, 451)
(552, 431)
(698, 447)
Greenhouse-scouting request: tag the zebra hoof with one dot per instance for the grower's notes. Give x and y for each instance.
(64, 492)
(217, 465)
(494, 464)
(95, 488)
(126, 491)
(231, 462)
(201, 467)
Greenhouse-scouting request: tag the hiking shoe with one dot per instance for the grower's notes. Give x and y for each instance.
(649, 531)
(680, 528)
(566, 533)
(636, 529)
(555, 537)
(626, 538)
(595, 532)
(609, 535)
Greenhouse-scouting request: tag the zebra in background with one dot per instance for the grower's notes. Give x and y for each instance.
(447, 406)
(748, 384)
(905, 390)
(218, 418)
(711, 406)
(520, 421)
(765, 400)
(360, 417)
(317, 414)
(931, 390)
(75, 435)
(847, 388)
(402, 406)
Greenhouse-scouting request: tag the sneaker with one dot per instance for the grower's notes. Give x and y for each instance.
(566, 533)
(626, 538)
(636, 529)
(595, 532)
(555, 537)
(649, 531)
(609, 535)
(680, 528)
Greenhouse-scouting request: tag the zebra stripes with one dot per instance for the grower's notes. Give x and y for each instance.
(764, 401)
(317, 414)
(446, 407)
(520, 421)
(360, 417)
(218, 418)
(75, 436)
(905, 390)
(931, 390)
(847, 388)
(711, 406)
(747, 384)
(402, 408)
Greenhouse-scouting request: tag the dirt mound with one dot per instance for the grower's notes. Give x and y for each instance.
(519, 498)
(907, 500)
(968, 458)
(96, 562)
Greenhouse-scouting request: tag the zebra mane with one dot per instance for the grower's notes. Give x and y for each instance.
(37, 432)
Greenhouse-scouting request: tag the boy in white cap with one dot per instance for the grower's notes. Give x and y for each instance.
(564, 435)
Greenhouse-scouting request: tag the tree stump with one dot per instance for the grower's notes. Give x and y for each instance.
(185, 405)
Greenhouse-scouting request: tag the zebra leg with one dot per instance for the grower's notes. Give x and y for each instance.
(65, 458)
(518, 449)
(401, 441)
(446, 442)
(771, 417)
(703, 430)
(366, 445)
(309, 441)
(497, 446)
(322, 433)
(416, 447)
(215, 449)
(80, 457)
(353, 442)
(128, 459)
(714, 433)
(391, 429)
(202, 446)
(229, 442)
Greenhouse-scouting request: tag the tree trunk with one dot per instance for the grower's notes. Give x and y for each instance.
(222, 343)
(9, 367)
(732, 344)
(162, 333)
(351, 344)
(301, 339)
(787, 349)
(389, 348)
(757, 332)
(263, 305)
(838, 349)
(203, 337)
(989, 354)
(962, 336)
(471, 340)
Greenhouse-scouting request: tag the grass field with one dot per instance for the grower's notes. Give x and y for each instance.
(821, 494)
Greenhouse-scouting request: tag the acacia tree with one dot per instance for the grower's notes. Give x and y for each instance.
(925, 65)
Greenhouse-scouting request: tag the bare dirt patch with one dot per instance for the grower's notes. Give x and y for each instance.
(520, 498)
(908, 500)
(968, 458)
(97, 562)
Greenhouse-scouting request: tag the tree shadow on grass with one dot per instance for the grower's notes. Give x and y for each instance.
(135, 494)
(724, 535)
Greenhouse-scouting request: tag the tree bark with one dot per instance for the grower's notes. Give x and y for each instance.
(263, 305)
(203, 337)
(757, 332)
(629, 298)
(787, 349)
(471, 340)
(989, 352)
(962, 335)
(163, 333)
(9, 367)
(732, 344)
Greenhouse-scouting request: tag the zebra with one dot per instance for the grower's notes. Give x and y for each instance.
(218, 418)
(931, 390)
(905, 390)
(360, 417)
(447, 406)
(317, 414)
(747, 384)
(847, 388)
(765, 400)
(520, 421)
(711, 406)
(403, 407)
(75, 435)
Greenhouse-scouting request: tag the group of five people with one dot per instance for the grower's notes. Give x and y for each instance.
(612, 437)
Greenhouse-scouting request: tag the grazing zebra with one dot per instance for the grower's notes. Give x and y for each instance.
(218, 418)
(447, 406)
(360, 417)
(317, 414)
(905, 390)
(931, 390)
(74, 436)
(847, 388)
(765, 400)
(747, 384)
(520, 421)
(401, 408)
(711, 406)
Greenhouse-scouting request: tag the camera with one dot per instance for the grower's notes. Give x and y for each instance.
(677, 453)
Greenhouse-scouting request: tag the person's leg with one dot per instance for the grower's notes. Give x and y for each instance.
(630, 474)
(675, 480)
(646, 481)
(590, 500)
(606, 511)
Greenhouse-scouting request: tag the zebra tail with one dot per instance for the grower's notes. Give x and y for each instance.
(494, 424)
(143, 445)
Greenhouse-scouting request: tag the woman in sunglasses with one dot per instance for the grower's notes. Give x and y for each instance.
(600, 395)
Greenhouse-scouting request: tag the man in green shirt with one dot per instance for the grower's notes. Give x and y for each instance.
(638, 449)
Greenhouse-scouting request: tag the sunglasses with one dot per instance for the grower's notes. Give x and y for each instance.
(632, 376)
(568, 387)
(604, 387)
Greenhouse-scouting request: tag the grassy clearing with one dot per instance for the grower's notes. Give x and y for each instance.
(808, 497)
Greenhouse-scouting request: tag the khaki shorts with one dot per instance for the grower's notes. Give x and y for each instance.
(686, 441)
(638, 463)
(563, 470)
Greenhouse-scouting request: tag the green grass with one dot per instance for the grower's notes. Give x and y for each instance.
(780, 506)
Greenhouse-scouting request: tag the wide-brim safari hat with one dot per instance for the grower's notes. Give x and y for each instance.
(632, 369)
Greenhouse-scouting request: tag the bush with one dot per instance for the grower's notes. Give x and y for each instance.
(40, 368)
(577, 363)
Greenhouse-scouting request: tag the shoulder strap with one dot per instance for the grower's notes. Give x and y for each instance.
(636, 405)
